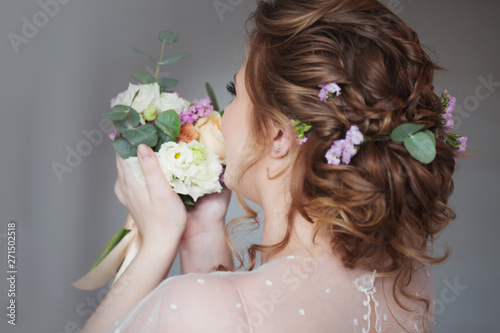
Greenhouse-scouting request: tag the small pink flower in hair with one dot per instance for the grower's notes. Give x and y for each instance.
(343, 150)
(328, 90)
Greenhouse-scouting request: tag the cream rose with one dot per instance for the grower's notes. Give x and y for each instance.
(148, 96)
(190, 168)
(211, 135)
(171, 101)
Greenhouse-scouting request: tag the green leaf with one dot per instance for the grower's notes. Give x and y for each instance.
(124, 148)
(117, 112)
(171, 59)
(129, 122)
(211, 95)
(145, 78)
(143, 134)
(400, 133)
(169, 83)
(169, 123)
(111, 245)
(139, 51)
(187, 200)
(168, 37)
(421, 147)
(431, 135)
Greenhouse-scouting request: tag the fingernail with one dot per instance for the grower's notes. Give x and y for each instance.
(144, 151)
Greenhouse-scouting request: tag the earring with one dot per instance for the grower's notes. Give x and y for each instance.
(277, 151)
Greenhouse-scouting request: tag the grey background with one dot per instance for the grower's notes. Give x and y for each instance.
(61, 81)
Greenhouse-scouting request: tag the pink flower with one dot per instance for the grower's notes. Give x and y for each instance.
(328, 90)
(463, 144)
(343, 150)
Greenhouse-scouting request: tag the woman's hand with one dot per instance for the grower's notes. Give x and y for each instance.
(203, 245)
(207, 215)
(155, 207)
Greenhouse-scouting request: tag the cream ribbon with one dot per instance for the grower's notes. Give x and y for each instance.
(123, 253)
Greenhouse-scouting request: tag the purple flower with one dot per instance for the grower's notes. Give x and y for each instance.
(354, 135)
(300, 142)
(323, 95)
(344, 149)
(463, 144)
(328, 90)
(113, 135)
(200, 108)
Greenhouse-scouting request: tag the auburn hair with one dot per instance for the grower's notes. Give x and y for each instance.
(385, 209)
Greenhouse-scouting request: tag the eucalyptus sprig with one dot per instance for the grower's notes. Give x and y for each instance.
(420, 144)
(166, 38)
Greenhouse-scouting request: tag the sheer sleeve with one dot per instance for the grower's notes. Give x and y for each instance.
(188, 303)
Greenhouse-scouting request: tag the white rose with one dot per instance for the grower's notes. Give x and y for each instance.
(148, 96)
(171, 101)
(190, 168)
(178, 160)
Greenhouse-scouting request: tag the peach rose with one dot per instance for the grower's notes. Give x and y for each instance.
(211, 135)
(188, 133)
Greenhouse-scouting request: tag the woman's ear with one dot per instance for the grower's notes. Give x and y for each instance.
(282, 143)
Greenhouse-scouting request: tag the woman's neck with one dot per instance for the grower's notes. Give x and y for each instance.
(275, 206)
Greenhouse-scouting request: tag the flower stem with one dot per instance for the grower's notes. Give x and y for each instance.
(161, 57)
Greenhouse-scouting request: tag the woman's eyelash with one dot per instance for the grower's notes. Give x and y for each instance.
(231, 88)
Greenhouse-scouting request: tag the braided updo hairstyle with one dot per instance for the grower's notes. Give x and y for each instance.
(384, 209)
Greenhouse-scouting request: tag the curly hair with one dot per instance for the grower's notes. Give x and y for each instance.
(385, 209)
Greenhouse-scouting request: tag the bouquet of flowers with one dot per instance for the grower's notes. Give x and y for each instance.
(187, 140)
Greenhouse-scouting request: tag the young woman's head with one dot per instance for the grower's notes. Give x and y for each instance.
(385, 208)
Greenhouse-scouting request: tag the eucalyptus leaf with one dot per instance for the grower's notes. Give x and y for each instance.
(143, 134)
(168, 37)
(169, 123)
(129, 122)
(145, 78)
(431, 135)
(421, 147)
(117, 112)
(211, 95)
(400, 133)
(124, 148)
(169, 83)
(171, 59)
(162, 138)
(149, 56)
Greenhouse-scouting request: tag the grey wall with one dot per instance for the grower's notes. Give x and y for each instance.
(60, 81)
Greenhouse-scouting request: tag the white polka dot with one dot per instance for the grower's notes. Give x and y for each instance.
(200, 281)
(173, 306)
(385, 317)
(290, 257)
(302, 312)
(355, 322)
(269, 283)
(328, 291)
(417, 294)
(416, 327)
(238, 305)
(365, 317)
(427, 272)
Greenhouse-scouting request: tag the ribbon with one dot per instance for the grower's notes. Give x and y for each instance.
(115, 261)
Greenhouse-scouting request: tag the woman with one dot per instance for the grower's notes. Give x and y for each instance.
(349, 214)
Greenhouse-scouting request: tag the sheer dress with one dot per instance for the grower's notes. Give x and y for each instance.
(288, 294)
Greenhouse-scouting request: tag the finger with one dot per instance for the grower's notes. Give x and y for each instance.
(155, 179)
